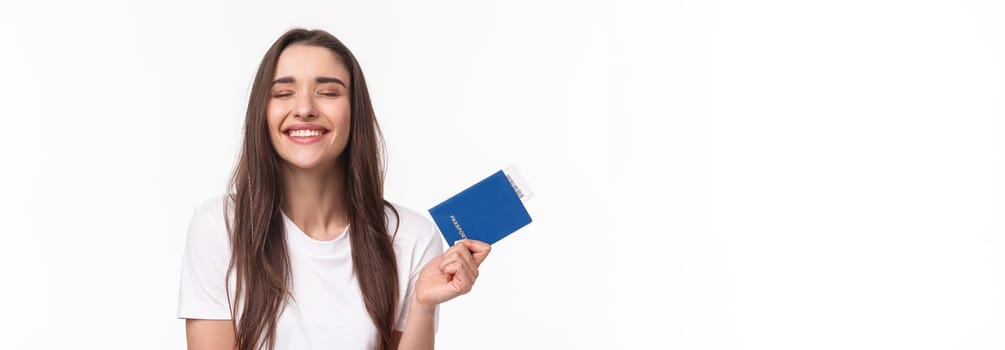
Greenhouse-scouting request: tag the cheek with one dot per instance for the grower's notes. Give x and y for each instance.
(339, 114)
(273, 116)
(343, 121)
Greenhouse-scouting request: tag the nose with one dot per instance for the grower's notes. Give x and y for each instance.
(305, 108)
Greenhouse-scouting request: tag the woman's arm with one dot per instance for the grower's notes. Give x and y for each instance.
(445, 277)
(418, 328)
(209, 334)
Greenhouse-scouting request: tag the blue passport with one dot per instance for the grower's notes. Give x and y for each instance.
(488, 211)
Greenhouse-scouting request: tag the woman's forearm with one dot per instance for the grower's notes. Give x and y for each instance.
(418, 334)
(443, 278)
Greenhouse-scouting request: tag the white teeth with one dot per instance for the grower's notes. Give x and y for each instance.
(305, 133)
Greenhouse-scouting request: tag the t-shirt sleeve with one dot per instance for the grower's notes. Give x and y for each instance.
(203, 289)
(431, 248)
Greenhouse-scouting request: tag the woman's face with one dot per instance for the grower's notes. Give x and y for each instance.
(309, 110)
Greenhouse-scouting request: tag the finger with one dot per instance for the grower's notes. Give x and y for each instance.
(468, 266)
(459, 277)
(452, 268)
(463, 281)
(479, 250)
(451, 255)
(466, 261)
(465, 255)
(445, 260)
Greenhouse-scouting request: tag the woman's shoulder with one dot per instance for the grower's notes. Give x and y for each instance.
(216, 208)
(211, 215)
(411, 224)
(207, 232)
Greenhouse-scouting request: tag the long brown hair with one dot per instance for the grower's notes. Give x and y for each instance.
(259, 260)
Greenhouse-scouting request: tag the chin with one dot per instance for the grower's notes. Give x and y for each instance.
(305, 163)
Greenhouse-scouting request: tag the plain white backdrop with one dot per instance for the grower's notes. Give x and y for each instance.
(708, 174)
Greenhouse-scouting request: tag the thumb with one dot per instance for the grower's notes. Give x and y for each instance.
(479, 250)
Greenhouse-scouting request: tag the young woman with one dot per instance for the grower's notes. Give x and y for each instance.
(305, 252)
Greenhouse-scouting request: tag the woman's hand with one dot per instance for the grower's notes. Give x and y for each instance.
(443, 278)
(450, 274)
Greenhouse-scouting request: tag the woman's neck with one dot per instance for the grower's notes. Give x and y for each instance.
(315, 201)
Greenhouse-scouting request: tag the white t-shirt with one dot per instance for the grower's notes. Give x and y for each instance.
(328, 310)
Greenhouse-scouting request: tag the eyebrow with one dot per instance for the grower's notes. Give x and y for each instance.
(319, 80)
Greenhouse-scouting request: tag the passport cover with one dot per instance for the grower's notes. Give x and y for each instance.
(487, 211)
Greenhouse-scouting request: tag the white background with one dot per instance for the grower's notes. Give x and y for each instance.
(708, 174)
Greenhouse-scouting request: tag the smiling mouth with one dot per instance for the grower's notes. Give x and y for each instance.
(306, 136)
